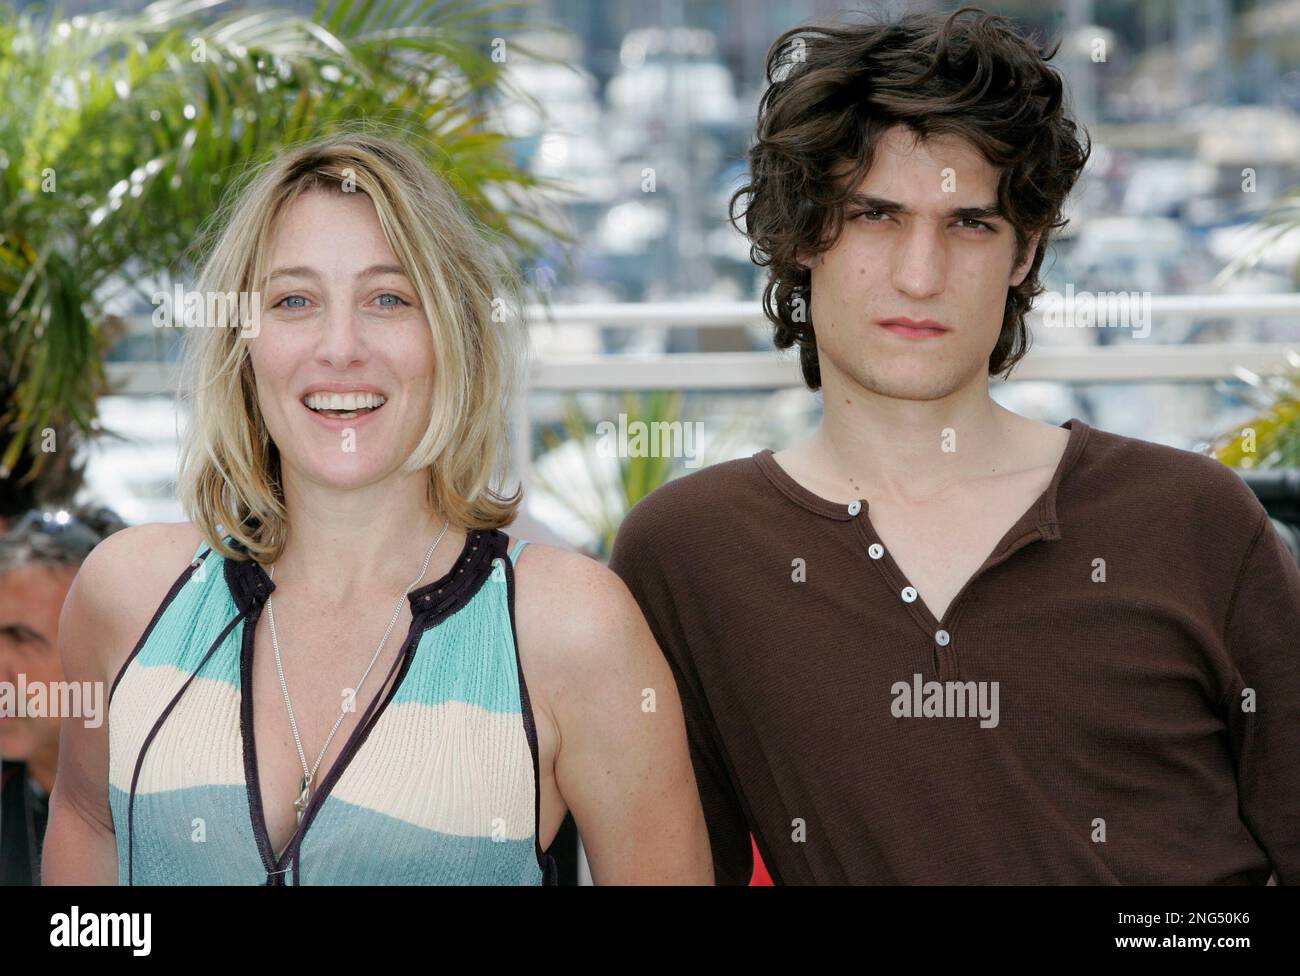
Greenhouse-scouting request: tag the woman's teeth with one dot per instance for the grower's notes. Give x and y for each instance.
(343, 406)
(344, 414)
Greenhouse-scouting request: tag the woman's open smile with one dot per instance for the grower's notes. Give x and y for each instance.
(340, 410)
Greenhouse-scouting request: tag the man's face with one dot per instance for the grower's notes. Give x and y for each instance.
(30, 601)
(916, 244)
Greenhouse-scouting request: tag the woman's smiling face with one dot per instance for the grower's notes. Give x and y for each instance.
(338, 315)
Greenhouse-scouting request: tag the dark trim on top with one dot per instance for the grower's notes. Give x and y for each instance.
(430, 605)
(545, 861)
(144, 747)
(157, 615)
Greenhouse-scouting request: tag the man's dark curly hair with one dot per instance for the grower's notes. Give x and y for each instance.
(834, 90)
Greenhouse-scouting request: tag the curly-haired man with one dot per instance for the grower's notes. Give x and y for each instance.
(938, 641)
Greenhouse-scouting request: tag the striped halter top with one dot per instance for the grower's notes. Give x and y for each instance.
(437, 784)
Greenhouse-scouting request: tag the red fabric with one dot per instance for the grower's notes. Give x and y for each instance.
(760, 877)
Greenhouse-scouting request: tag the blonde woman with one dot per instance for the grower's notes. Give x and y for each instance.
(342, 670)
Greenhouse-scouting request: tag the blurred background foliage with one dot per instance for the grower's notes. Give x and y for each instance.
(611, 485)
(1272, 438)
(121, 132)
(606, 479)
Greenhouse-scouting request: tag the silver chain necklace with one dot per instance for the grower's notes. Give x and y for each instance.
(304, 788)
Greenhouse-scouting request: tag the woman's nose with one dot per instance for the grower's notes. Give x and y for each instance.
(340, 342)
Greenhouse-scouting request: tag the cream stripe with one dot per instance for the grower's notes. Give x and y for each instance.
(198, 745)
(452, 767)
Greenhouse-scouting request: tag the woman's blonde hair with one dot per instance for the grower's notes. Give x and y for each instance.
(230, 469)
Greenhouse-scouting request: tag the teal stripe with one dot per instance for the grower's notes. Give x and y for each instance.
(467, 657)
(165, 831)
(449, 665)
(197, 614)
(349, 845)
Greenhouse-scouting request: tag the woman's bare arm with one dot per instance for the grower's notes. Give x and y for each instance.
(623, 766)
(80, 844)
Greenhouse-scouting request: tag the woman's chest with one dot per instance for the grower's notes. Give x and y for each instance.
(307, 698)
(428, 776)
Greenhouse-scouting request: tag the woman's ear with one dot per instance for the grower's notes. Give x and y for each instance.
(1020, 270)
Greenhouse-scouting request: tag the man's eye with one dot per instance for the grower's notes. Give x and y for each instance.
(979, 224)
(870, 215)
(289, 299)
(397, 300)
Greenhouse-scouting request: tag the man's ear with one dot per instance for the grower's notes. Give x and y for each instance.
(809, 260)
(1020, 270)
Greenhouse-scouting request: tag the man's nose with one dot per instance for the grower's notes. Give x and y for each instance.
(920, 262)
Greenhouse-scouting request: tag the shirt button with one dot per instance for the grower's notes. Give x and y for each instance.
(875, 550)
(909, 594)
(855, 506)
(941, 638)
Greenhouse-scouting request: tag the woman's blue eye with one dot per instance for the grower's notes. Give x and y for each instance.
(388, 300)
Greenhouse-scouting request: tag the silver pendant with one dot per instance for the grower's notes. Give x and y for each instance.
(304, 796)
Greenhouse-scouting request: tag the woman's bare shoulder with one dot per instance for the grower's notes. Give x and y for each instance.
(577, 609)
(124, 580)
(145, 554)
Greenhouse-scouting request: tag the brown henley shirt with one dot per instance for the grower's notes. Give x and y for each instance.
(1145, 729)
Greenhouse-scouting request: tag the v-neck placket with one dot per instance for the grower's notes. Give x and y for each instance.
(1030, 528)
(250, 586)
(1038, 523)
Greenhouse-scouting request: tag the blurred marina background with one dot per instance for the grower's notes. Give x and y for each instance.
(643, 297)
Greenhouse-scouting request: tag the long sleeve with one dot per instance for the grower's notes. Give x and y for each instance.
(1263, 637)
(636, 560)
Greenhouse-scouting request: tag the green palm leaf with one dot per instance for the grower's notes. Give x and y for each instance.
(121, 133)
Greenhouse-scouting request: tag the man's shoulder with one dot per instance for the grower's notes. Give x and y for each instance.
(696, 498)
(677, 522)
(1158, 475)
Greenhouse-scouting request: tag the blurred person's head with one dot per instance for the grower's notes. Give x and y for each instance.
(39, 557)
(372, 276)
(913, 169)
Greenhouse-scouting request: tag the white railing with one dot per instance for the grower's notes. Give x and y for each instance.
(1128, 361)
(715, 314)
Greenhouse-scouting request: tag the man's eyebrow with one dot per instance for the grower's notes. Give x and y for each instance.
(22, 634)
(866, 201)
(303, 271)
